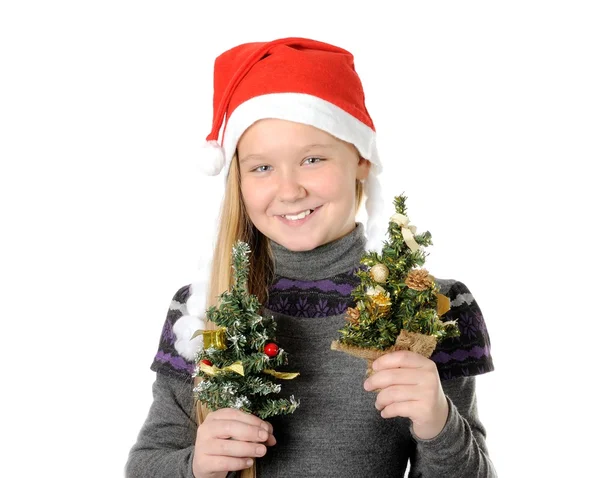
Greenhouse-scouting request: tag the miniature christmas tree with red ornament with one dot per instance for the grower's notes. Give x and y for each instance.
(398, 304)
(236, 366)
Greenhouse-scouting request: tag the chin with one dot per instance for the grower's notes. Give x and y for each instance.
(299, 244)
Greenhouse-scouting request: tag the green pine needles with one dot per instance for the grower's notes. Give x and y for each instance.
(394, 294)
(239, 360)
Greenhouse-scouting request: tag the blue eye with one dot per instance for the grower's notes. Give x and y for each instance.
(259, 170)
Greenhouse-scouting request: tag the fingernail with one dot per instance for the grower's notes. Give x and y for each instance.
(265, 425)
(263, 435)
(260, 450)
(249, 462)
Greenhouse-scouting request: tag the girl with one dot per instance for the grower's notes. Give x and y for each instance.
(299, 149)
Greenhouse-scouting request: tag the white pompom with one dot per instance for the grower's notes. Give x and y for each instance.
(196, 302)
(212, 158)
(184, 328)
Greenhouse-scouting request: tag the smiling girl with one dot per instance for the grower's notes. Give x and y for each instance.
(298, 183)
(298, 148)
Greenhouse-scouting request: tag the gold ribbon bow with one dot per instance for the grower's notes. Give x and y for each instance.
(238, 368)
(212, 338)
(407, 230)
(282, 375)
(212, 370)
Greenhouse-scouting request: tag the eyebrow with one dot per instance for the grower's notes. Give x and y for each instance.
(303, 151)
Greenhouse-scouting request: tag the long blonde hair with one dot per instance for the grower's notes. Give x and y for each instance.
(235, 225)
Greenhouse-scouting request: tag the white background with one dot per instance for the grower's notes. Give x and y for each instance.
(488, 119)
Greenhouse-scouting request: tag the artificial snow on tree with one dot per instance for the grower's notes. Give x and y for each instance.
(236, 366)
(398, 304)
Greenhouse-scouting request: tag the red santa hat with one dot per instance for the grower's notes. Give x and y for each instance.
(294, 79)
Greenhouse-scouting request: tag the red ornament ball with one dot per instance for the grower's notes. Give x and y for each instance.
(206, 362)
(271, 349)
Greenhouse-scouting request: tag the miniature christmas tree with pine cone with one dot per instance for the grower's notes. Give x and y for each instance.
(238, 360)
(398, 305)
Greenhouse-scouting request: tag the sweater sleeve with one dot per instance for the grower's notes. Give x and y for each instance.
(165, 444)
(470, 353)
(459, 450)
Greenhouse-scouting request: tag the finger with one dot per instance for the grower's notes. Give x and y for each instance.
(400, 358)
(215, 464)
(269, 426)
(234, 448)
(397, 376)
(271, 440)
(400, 409)
(397, 393)
(235, 414)
(237, 430)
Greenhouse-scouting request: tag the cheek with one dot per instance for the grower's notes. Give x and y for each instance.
(255, 196)
(247, 196)
(337, 186)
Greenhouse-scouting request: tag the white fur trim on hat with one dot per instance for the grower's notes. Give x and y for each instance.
(376, 221)
(300, 108)
(184, 328)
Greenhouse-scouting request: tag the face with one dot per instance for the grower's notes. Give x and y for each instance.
(298, 183)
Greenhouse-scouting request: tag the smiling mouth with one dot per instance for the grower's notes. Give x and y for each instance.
(298, 217)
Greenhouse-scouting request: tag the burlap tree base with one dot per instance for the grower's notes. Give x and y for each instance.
(413, 341)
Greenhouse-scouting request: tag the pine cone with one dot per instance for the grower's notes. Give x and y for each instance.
(352, 315)
(380, 305)
(418, 279)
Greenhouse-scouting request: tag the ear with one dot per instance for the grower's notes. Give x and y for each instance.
(364, 166)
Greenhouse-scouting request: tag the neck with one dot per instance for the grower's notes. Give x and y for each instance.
(330, 259)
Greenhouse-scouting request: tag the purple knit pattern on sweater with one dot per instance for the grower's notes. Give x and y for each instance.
(469, 354)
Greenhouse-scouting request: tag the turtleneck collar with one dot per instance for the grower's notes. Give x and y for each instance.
(328, 260)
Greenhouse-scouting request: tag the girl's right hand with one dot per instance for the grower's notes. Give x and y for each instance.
(228, 440)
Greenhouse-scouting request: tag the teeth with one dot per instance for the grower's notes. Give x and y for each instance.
(302, 215)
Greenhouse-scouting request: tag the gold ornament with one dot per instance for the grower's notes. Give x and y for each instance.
(379, 273)
(212, 338)
(352, 315)
(418, 279)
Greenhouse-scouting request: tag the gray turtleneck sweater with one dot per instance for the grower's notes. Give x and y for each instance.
(336, 431)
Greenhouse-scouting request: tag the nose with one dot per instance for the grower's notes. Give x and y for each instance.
(290, 189)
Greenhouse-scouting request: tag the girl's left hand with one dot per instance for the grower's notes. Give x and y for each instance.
(409, 386)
